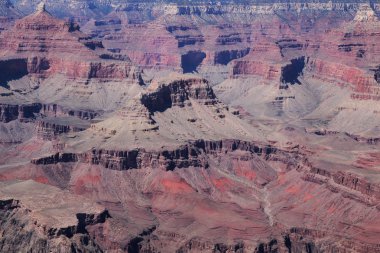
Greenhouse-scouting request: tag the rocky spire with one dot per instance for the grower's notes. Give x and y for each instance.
(365, 13)
(41, 7)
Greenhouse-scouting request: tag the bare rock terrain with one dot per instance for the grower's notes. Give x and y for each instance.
(189, 126)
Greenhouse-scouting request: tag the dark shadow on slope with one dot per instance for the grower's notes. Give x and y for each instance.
(158, 101)
(12, 70)
(224, 57)
(291, 72)
(377, 75)
(191, 61)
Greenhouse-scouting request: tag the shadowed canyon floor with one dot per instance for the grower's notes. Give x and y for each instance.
(189, 126)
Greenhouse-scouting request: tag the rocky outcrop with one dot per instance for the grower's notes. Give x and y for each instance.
(107, 70)
(24, 112)
(358, 138)
(296, 240)
(362, 83)
(357, 183)
(186, 34)
(21, 38)
(27, 112)
(347, 55)
(34, 46)
(191, 155)
(44, 67)
(84, 220)
(268, 71)
(22, 232)
(54, 110)
(281, 72)
(50, 128)
(177, 93)
(9, 204)
(147, 44)
(56, 158)
(365, 13)
(354, 186)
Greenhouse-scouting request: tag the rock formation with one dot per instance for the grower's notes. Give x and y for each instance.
(33, 225)
(48, 39)
(365, 13)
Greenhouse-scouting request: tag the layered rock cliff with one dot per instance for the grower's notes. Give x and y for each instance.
(31, 226)
(43, 46)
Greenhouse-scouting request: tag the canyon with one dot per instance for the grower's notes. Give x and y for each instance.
(189, 126)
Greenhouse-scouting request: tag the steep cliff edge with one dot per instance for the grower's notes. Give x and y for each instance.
(47, 61)
(43, 46)
(33, 225)
(176, 100)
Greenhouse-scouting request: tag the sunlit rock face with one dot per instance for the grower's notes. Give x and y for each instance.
(157, 126)
(51, 46)
(365, 13)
